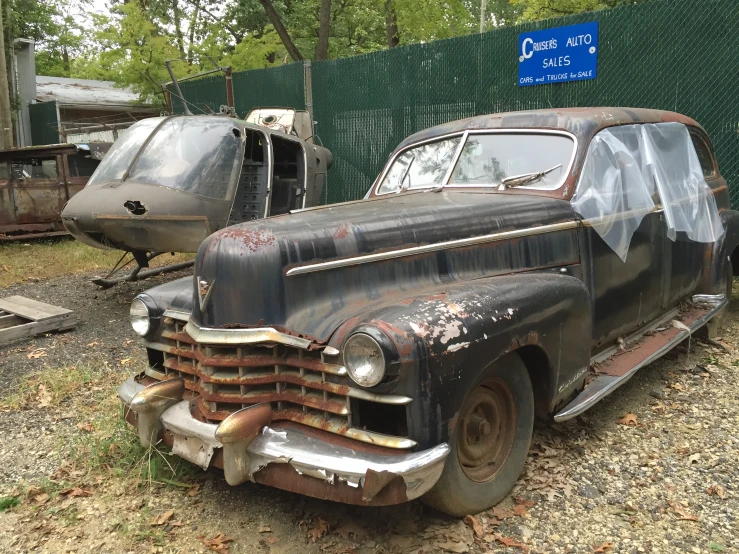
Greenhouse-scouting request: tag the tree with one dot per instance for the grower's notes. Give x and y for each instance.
(533, 10)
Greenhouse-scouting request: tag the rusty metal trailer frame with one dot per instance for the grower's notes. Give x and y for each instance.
(31, 208)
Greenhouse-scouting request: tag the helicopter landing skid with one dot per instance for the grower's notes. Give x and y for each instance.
(136, 273)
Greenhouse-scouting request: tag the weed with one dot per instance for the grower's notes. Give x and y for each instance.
(7, 502)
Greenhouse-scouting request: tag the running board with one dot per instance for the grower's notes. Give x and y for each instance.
(619, 368)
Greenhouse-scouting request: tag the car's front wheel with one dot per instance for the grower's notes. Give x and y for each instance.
(490, 443)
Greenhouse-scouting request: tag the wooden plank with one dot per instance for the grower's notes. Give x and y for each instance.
(11, 320)
(31, 309)
(59, 323)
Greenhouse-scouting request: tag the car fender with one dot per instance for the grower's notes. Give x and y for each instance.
(448, 336)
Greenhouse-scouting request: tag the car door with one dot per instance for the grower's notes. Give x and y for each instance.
(684, 257)
(626, 290)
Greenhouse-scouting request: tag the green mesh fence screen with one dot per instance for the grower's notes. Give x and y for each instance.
(665, 54)
(276, 87)
(201, 94)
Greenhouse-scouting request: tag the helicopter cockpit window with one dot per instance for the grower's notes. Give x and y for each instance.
(197, 155)
(121, 154)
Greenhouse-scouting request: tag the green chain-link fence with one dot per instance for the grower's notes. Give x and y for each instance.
(666, 54)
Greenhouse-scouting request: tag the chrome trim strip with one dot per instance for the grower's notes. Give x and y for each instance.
(392, 399)
(460, 243)
(205, 335)
(177, 314)
(710, 299)
(526, 131)
(606, 384)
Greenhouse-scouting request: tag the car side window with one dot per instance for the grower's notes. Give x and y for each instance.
(704, 155)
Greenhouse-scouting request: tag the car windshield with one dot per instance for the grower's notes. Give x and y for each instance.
(199, 155)
(533, 160)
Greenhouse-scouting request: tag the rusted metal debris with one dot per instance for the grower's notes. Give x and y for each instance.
(35, 184)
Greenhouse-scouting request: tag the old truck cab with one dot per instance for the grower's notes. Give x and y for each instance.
(502, 267)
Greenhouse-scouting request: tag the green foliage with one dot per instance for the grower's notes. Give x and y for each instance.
(7, 502)
(533, 10)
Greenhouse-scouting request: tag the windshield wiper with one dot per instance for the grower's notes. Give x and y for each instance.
(526, 178)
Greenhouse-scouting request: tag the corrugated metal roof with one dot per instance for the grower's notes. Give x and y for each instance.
(84, 92)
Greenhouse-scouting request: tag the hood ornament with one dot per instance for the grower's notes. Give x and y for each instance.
(204, 290)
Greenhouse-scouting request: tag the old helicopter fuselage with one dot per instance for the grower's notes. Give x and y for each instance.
(172, 181)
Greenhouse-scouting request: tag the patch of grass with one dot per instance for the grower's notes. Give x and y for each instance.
(106, 445)
(43, 259)
(7, 502)
(52, 386)
(113, 447)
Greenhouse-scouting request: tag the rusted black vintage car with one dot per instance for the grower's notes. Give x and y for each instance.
(502, 267)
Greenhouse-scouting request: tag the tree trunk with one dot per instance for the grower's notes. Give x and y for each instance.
(65, 58)
(391, 25)
(193, 24)
(276, 21)
(178, 28)
(324, 24)
(6, 125)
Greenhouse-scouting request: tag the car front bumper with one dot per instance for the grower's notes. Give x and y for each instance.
(248, 448)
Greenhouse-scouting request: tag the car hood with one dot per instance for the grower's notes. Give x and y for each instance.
(247, 265)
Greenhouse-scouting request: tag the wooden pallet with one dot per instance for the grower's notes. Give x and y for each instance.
(22, 318)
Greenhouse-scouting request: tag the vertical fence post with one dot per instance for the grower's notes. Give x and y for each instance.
(308, 89)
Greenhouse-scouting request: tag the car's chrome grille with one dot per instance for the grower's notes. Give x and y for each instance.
(294, 381)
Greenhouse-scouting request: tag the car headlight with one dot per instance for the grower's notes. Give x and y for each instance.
(364, 360)
(140, 317)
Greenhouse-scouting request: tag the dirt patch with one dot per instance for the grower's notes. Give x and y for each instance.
(650, 469)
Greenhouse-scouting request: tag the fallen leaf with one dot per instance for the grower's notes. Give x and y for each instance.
(350, 530)
(604, 547)
(683, 514)
(42, 498)
(510, 542)
(39, 353)
(219, 543)
(128, 342)
(161, 519)
(524, 502)
(271, 539)
(194, 490)
(677, 386)
(718, 490)
(319, 529)
(628, 419)
(44, 396)
(85, 427)
(475, 524)
(519, 510)
(264, 529)
(502, 513)
(125, 361)
(77, 492)
(93, 344)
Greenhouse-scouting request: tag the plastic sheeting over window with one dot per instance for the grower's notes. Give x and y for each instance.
(630, 170)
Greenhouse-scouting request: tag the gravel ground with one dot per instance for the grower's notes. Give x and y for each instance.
(653, 468)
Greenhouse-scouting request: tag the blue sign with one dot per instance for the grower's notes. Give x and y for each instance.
(558, 55)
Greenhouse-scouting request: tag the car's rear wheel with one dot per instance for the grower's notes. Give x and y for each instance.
(490, 443)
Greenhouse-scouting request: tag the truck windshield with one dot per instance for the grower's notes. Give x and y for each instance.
(199, 155)
(485, 160)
